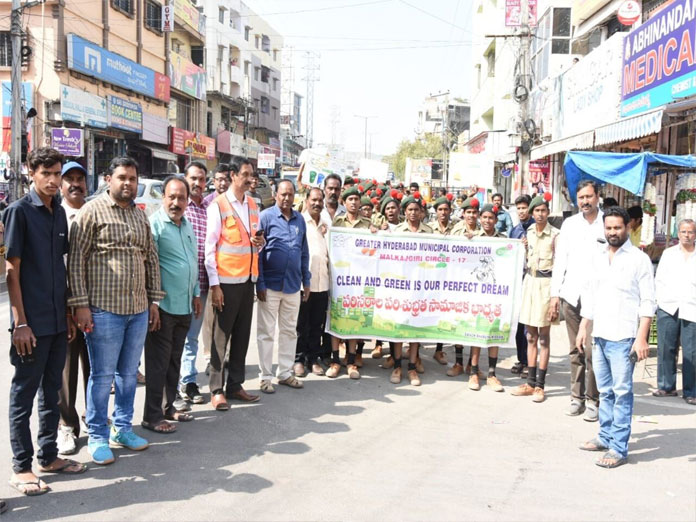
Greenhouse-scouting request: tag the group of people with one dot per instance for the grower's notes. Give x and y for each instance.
(94, 284)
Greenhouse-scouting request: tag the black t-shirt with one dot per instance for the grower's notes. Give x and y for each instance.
(39, 239)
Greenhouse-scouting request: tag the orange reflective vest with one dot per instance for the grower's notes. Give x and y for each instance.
(237, 259)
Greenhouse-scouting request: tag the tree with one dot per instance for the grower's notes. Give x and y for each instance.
(430, 146)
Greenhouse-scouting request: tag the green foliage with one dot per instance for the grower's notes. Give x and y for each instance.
(428, 147)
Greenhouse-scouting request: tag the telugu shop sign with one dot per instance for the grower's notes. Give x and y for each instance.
(189, 143)
(88, 58)
(659, 64)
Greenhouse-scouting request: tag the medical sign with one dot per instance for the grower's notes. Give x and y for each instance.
(88, 58)
(659, 64)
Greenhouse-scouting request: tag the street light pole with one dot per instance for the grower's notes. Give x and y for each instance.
(17, 119)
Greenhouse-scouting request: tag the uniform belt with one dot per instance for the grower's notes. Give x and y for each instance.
(539, 273)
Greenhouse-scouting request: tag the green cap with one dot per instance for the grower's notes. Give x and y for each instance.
(365, 201)
(541, 199)
(470, 202)
(350, 191)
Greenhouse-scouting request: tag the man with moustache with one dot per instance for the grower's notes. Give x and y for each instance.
(574, 248)
(221, 181)
(73, 188)
(312, 317)
(233, 240)
(195, 213)
(177, 250)
(36, 238)
(282, 284)
(618, 296)
(332, 207)
(115, 285)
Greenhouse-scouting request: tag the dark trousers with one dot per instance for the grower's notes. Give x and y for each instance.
(670, 329)
(521, 343)
(44, 375)
(235, 317)
(163, 350)
(76, 356)
(310, 327)
(583, 384)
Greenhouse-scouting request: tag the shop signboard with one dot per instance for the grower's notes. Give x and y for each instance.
(83, 107)
(125, 115)
(189, 143)
(540, 175)
(513, 12)
(155, 129)
(659, 64)
(88, 58)
(27, 96)
(69, 142)
(188, 14)
(252, 148)
(589, 93)
(266, 161)
(186, 76)
(167, 18)
(230, 143)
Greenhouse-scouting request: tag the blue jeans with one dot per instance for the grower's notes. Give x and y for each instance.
(614, 374)
(188, 358)
(669, 331)
(115, 346)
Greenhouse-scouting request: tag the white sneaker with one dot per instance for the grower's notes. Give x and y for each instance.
(66, 440)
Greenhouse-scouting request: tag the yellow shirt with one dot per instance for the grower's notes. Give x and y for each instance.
(635, 236)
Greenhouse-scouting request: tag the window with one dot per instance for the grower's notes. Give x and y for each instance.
(275, 113)
(256, 41)
(246, 32)
(198, 55)
(265, 105)
(180, 113)
(587, 42)
(209, 123)
(5, 49)
(265, 73)
(560, 43)
(153, 15)
(126, 6)
(275, 84)
(234, 19)
(490, 58)
(221, 15)
(247, 64)
(176, 46)
(257, 70)
(275, 55)
(266, 44)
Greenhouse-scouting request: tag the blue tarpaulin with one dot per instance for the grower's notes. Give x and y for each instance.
(624, 170)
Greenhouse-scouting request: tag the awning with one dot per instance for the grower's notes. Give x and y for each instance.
(629, 128)
(580, 141)
(624, 170)
(157, 152)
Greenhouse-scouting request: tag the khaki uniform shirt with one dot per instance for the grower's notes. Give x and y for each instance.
(541, 247)
(422, 228)
(435, 225)
(461, 229)
(343, 222)
(481, 233)
(378, 219)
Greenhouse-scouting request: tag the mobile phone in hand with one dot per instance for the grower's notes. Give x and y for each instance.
(259, 233)
(633, 356)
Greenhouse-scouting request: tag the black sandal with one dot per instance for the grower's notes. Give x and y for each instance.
(159, 427)
(517, 368)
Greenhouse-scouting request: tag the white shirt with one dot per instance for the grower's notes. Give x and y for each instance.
(214, 228)
(574, 249)
(318, 254)
(675, 283)
(326, 217)
(70, 212)
(616, 295)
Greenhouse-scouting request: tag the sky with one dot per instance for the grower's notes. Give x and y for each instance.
(378, 58)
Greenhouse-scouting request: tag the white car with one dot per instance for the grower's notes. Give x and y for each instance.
(149, 197)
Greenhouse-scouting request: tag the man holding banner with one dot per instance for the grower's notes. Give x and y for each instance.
(412, 206)
(442, 226)
(351, 219)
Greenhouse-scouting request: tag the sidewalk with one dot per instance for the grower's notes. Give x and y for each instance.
(369, 450)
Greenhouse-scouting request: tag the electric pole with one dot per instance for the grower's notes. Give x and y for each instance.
(364, 118)
(17, 112)
(525, 75)
(312, 69)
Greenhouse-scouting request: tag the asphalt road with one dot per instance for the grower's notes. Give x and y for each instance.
(369, 450)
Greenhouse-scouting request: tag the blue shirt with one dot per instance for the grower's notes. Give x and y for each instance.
(284, 261)
(521, 230)
(39, 238)
(177, 249)
(504, 224)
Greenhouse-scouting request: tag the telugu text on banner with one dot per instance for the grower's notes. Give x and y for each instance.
(424, 288)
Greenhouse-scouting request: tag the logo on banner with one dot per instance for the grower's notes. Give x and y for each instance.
(628, 12)
(93, 59)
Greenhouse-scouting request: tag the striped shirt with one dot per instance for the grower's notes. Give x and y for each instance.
(113, 262)
(197, 216)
